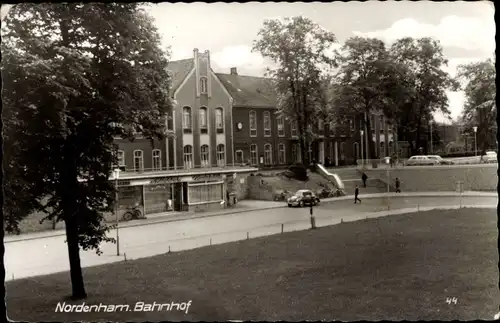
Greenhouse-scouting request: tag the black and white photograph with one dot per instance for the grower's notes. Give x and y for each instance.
(254, 161)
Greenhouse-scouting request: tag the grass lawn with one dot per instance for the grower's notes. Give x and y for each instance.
(400, 267)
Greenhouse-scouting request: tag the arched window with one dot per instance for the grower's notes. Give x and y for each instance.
(267, 124)
(156, 159)
(254, 154)
(203, 120)
(203, 85)
(188, 156)
(268, 154)
(138, 161)
(221, 156)
(186, 118)
(252, 117)
(205, 156)
(219, 120)
(281, 154)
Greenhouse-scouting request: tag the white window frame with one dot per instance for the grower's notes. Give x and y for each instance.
(203, 85)
(153, 157)
(205, 111)
(120, 156)
(186, 119)
(221, 124)
(293, 129)
(267, 128)
(205, 162)
(253, 131)
(266, 151)
(141, 158)
(256, 152)
(281, 150)
(221, 162)
(280, 121)
(242, 160)
(188, 162)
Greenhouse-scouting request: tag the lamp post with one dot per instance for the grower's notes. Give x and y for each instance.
(475, 140)
(387, 161)
(116, 173)
(362, 151)
(432, 149)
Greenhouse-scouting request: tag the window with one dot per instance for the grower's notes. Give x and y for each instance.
(321, 125)
(267, 124)
(252, 117)
(203, 120)
(294, 153)
(351, 125)
(239, 156)
(138, 161)
(186, 119)
(254, 154)
(188, 157)
(203, 85)
(120, 156)
(205, 156)
(332, 126)
(210, 192)
(281, 126)
(281, 154)
(221, 158)
(293, 126)
(156, 159)
(219, 120)
(268, 159)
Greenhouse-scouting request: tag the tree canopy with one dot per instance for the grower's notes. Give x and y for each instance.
(74, 77)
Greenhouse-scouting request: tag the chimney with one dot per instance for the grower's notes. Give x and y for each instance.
(207, 54)
(195, 52)
(234, 71)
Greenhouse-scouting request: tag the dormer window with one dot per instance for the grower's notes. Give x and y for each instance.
(203, 85)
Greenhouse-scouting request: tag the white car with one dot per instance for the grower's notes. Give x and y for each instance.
(490, 157)
(421, 161)
(440, 160)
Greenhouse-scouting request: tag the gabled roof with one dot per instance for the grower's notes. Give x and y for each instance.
(249, 91)
(180, 70)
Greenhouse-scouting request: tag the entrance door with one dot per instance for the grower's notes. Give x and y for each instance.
(178, 195)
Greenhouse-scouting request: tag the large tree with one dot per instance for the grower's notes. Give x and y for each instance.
(426, 85)
(302, 53)
(369, 82)
(478, 83)
(74, 77)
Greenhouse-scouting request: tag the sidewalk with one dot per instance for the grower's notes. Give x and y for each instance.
(240, 207)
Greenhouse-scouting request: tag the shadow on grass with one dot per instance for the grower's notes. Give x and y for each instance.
(401, 267)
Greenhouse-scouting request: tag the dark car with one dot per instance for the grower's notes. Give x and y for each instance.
(302, 198)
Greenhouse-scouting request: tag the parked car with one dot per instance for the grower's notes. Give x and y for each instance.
(302, 198)
(421, 160)
(440, 160)
(490, 157)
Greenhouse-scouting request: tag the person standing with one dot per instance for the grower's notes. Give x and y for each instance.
(398, 184)
(311, 210)
(364, 178)
(356, 193)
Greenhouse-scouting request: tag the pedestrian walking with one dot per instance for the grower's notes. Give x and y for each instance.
(311, 210)
(364, 178)
(398, 184)
(356, 193)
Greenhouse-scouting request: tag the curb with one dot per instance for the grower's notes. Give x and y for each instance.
(328, 200)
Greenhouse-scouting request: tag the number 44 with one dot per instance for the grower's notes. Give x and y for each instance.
(451, 300)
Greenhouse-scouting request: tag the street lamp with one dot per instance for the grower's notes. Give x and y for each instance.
(116, 175)
(387, 161)
(362, 151)
(475, 140)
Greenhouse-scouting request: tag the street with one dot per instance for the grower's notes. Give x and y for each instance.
(48, 255)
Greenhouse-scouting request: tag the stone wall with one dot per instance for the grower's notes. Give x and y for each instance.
(441, 178)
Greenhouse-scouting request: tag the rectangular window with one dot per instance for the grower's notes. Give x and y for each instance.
(138, 161)
(120, 155)
(203, 120)
(219, 120)
(281, 126)
(254, 155)
(238, 156)
(268, 153)
(252, 117)
(267, 124)
(156, 159)
(293, 127)
(221, 159)
(281, 154)
(210, 192)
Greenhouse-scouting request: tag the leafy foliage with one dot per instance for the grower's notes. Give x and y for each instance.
(74, 77)
(302, 51)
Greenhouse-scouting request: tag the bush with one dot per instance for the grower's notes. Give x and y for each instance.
(299, 172)
(461, 154)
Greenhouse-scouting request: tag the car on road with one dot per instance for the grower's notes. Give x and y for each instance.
(302, 198)
(421, 160)
(490, 157)
(440, 160)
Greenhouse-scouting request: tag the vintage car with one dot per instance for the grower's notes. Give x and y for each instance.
(302, 198)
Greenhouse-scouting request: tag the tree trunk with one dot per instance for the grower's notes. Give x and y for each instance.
(77, 285)
(371, 148)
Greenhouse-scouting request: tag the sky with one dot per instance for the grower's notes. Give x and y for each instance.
(466, 30)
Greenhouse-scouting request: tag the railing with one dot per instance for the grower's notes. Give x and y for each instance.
(182, 169)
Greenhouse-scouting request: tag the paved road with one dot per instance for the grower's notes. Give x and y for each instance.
(49, 255)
